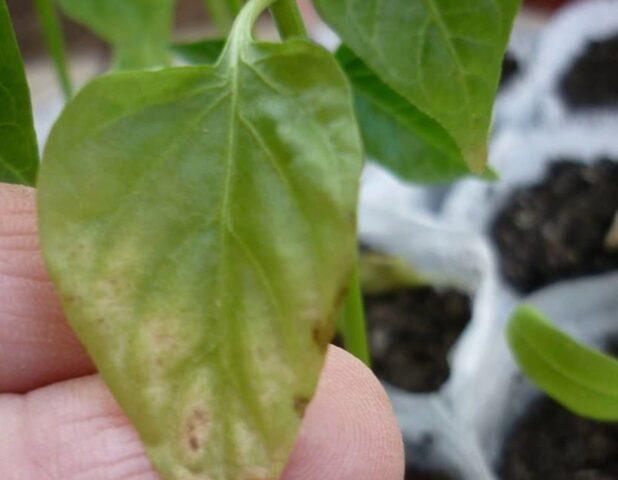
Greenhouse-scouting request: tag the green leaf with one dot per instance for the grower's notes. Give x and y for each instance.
(223, 13)
(582, 379)
(204, 52)
(382, 273)
(396, 134)
(199, 224)
(444, 56)
(52, 33)
(139, 30)
(19, 155)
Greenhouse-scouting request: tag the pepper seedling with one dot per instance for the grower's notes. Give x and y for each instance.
(579, 377)
(199, 223)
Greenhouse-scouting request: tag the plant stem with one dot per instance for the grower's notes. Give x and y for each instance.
(288, 19)
(223, 13)
(352, 325)
(55, 43)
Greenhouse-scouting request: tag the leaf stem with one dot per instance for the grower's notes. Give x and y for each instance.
(352, 325)
(54, 39)
(288, 19)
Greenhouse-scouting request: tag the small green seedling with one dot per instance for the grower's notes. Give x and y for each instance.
(138, 30)
(582, 379)
(199, 222)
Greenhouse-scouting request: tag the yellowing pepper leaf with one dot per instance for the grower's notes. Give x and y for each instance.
(199, 224)
(444, 56)
(582, 379)
(139, 30)
(19, 154)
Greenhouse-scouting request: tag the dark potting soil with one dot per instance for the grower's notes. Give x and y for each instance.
(415, 474)
(411, 332)
(592, 80)
(611, 345)
(551, 443)
(556, 229)
(510, 68)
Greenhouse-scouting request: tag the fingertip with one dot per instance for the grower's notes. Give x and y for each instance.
(350, 431)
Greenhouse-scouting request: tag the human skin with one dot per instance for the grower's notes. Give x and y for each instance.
(58, 421)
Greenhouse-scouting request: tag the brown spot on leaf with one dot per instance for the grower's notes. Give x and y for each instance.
(300, 405)
(322, 335)
(340, 298)
(323, 332)
(163, 340)
(69, 299)
(196, 429)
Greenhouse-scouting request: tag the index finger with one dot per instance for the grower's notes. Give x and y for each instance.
(37, 347)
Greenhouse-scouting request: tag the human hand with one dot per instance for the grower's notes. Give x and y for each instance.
(58, 421)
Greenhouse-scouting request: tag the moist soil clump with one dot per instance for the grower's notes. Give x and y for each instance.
(411, 332)
(551, 443)
(558, 228)
(415, 474)
(510, 69)
(592, 79)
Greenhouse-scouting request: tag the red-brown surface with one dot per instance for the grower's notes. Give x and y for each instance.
(546, 4)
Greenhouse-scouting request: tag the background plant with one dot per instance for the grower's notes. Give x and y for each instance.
(579, 377)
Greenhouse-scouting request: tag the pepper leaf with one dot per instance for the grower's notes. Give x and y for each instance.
(139, 30)
(223, 12)
(582, 379)
(19, 154)
(395, 133)
(199, 224)
(203, 52)
(398, 135)
(443, 56)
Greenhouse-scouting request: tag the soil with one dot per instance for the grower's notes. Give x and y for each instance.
(555, 444)
(510, 69)
(551, 443)
(556, 229)
(592, 80)
(414, 474)
(411, 332)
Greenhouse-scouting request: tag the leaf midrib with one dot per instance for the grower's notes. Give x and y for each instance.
(433, 11)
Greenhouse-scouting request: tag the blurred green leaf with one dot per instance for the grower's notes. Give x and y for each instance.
(139, 30)
(19, 154)
(582, 379)
(52, 32)
(204, 52)
(223, 13)
(443, 56)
